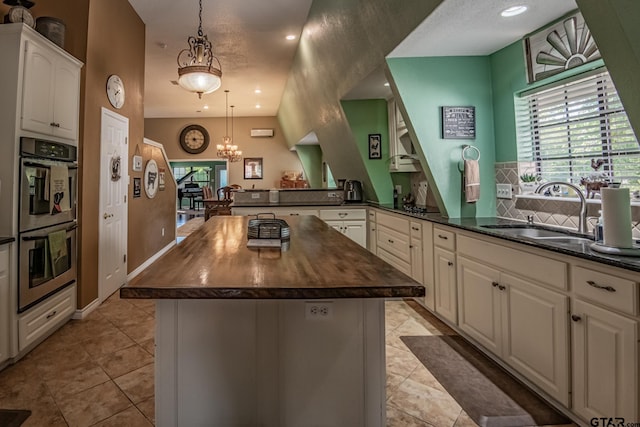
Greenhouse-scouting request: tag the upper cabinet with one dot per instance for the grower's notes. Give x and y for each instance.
(401, 152)
(51, 90)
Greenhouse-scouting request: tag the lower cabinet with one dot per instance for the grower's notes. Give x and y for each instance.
(605, 363)
(444, 264)
(5, 307)
(350, 222)
(415, 246)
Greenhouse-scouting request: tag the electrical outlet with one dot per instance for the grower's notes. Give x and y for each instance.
(503, 191)
(162, 231)
(318, 310)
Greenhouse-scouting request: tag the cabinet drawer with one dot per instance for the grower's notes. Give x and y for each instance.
(394, 222)
(372, 216)
(605, 289)
(398, 263)
(416, 230)
(394, 242)
(444, 238)
(39, 320)
(343, 214)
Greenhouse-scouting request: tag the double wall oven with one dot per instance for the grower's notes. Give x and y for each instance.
(47, 219)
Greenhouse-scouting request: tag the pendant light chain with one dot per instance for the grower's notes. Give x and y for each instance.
(226, 113)
(200, 33)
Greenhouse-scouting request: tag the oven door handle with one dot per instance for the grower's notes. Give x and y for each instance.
(48, 165)
(29, 238)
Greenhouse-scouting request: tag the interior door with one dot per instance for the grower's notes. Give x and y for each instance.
(113, 203)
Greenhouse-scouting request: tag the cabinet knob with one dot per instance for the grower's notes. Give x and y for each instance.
(449, 263)
(576, 318)
(415, 228)
(502, 287)
(390, 241)
(105, 216)
(495, 284)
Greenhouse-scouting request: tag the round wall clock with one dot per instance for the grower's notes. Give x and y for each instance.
(151, 179)
(115, 91)
(194, 139)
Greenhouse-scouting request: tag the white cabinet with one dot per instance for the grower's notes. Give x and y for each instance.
(51, 90)
(5, 306)
(350, 222)
(276, 210)
(393, 240)
(427, 265)
(522, 323)
(605, 343)
(372, 236)
(401, 151)
(415, 246)
(445, 284)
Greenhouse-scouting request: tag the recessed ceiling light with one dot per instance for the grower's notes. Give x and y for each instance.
(257, 91)
(513, 11)
(291, 37)
(387, 84)
(257, 105)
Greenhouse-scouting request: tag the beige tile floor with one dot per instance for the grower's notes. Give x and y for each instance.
(99, 372)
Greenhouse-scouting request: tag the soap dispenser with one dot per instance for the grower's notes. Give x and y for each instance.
(598, 230)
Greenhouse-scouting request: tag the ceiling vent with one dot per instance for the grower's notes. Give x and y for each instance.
(261, 133)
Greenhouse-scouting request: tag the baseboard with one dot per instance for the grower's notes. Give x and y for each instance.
(150, 261)
(84, 312)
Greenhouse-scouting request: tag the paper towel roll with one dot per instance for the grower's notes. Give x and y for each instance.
(616, 217)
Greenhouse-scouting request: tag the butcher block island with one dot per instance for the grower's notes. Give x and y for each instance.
(271, 337)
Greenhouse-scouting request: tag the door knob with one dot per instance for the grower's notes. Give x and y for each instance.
(105, 216)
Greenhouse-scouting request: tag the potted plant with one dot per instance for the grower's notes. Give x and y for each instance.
(528, 183)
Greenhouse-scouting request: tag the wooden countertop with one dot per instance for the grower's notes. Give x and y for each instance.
(214, 262)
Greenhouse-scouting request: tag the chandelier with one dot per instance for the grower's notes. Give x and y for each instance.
(227, 150)
(196, 72)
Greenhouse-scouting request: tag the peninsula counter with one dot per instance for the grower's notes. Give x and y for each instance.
(291, 337)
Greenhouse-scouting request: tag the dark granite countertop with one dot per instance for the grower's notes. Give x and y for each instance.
(320, 262)
(577, 249)
(5, 240)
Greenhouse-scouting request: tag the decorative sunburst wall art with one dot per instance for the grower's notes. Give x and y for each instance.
(560, 47)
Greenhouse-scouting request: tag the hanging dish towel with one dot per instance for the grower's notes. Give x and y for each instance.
(58, 251)
(471, 181)
(59, 199)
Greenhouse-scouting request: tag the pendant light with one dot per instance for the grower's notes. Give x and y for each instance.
(227, 150)
(196, 72)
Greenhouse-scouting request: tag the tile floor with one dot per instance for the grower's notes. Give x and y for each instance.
(99, 372)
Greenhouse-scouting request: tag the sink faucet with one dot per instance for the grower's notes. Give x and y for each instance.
(582, 225)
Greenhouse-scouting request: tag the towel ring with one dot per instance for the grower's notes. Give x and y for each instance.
(465, 150)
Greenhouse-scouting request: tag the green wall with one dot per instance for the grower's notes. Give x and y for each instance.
(366, 117)
(311, 159)
(423, 86)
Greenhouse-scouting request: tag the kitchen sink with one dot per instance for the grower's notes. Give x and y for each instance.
(537, 232)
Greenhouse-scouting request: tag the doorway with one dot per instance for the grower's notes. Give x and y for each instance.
(113, 203)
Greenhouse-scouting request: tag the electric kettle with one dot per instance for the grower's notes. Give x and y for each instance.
(353, 191)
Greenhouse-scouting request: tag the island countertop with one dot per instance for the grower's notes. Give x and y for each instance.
(215, 263)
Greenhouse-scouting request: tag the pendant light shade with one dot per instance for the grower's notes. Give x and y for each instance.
(227, 150)
(197, 71)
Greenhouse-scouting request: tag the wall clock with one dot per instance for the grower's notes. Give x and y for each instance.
(194, 139)
(151, 179)
(115, 91)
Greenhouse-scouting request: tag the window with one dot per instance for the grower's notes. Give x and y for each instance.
(564, 130)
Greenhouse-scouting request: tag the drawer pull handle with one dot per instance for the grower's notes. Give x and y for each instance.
(576, 318)
(495, 284)
(390, 241)
(415, 228)
(449, 263)
(53, 313)
(502, 287)
(443, 237)
(294, 214)
(342, 214)
(604, 288)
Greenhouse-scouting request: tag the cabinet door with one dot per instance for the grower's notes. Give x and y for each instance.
(38, 89)
(416, 259)
(336, 225)
(446, 300)
(605, 363)
(536, 334)
(479, 304)
(5, 306)
(373, 239)
(66, 100)
(356, 231)
(427, 265)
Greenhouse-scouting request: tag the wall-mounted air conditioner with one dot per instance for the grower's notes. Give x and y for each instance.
(261, 133)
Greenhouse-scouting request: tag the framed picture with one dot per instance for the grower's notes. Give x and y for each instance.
(253, 168)
(375, 146)
(459, 122)
(161, 179)
(137, 187)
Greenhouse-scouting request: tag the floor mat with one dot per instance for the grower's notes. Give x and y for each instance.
(13, 417)
(489, 395)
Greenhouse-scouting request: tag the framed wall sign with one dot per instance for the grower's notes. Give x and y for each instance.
(375, 146)
(161, 179)
(459, 122)
(253, 168)
(137, 187)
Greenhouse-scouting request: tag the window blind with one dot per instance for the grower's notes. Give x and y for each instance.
(565, 129)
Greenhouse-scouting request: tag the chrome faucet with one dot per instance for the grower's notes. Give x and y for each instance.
(582, 225)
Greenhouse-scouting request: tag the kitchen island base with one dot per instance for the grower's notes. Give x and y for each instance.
(270, 363)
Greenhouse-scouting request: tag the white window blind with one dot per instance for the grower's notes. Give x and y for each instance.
(563, 129)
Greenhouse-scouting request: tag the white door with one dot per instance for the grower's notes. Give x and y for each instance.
(221, 176)
(113, 203)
